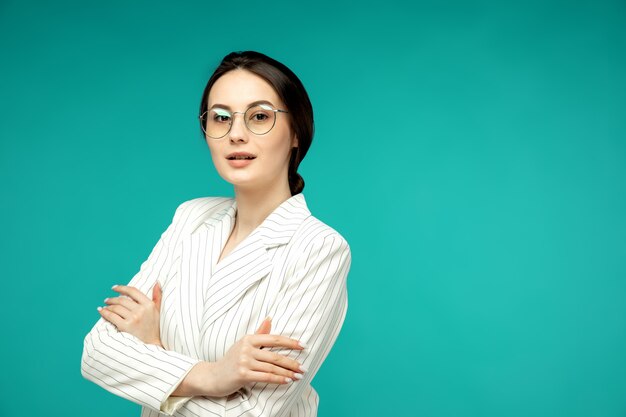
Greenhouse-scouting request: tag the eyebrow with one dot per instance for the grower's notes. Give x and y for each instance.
(254, 103)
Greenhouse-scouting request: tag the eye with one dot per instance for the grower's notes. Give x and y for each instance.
(259, 117)
(220, 115)
(260, 114)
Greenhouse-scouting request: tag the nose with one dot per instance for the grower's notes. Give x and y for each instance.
(238, 131)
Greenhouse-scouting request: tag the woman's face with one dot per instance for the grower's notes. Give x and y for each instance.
(235, 91)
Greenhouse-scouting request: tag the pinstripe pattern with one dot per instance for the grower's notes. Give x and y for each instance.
(292, 267)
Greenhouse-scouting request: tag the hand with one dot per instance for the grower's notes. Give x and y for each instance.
(135, 313)
(245, 362)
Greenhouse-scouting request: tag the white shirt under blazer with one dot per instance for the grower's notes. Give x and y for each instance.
(292, 267)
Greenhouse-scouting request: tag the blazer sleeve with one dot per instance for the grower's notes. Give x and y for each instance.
(311, 307)
(124, 365)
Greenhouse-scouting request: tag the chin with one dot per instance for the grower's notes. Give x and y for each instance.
(240, 180)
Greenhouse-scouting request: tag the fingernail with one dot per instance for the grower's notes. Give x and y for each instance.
(288, 380)
(303, 345)
(268, 318)
(99, 308)
(304, 368)
(106, 300)
(298, 376)
(113, 287)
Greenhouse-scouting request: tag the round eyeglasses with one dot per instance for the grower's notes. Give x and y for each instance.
(259, 119)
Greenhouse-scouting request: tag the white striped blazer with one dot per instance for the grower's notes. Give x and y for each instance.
(292, 267)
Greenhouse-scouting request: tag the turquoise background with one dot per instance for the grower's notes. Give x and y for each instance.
(472, 153)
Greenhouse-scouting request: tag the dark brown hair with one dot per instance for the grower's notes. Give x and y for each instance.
(290, 90)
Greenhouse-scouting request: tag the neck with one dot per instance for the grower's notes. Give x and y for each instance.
(254, 205)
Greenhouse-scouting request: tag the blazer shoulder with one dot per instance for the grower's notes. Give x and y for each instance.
(315, 243)
(192, 213)
(314, 231)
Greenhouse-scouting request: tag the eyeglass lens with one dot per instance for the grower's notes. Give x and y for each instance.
(217, 122)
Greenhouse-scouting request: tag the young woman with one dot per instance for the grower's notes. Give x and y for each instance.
(241, 299)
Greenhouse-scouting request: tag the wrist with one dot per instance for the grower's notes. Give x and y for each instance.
(198, 382)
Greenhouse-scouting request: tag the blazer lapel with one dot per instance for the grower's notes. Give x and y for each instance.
(240, 269)
(194, 270)
(251, 260)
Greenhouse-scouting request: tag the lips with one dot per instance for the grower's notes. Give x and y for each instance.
(240, 155)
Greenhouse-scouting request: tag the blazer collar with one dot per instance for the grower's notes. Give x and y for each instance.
(225, 282)
(277, 228)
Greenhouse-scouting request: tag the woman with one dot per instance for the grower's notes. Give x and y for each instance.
(241, 299)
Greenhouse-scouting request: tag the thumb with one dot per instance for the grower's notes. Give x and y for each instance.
(265, 327)
(156, 295)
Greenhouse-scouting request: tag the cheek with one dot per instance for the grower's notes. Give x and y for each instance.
(277, 154)
(280, 146)
(215, 155)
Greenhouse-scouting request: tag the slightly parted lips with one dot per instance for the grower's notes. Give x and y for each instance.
(240, 155)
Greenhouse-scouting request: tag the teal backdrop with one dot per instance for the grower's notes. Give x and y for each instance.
(473, 154)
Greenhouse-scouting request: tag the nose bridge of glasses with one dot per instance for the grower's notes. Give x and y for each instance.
(232, 120)
(244, 126)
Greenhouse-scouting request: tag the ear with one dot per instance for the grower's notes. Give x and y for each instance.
(294, 141)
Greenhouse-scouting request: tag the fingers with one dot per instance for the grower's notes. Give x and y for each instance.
(269, 368)
(123, 301)
(111, 317)
(257, 365)
(131, 292)
(270, 340)
(276, 360)
(119, 310)
(254, 376)
(157, 294)
(265, 326)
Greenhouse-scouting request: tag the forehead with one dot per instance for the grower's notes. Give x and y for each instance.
(238, 88)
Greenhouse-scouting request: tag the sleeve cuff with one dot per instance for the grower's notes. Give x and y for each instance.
(172, 404)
